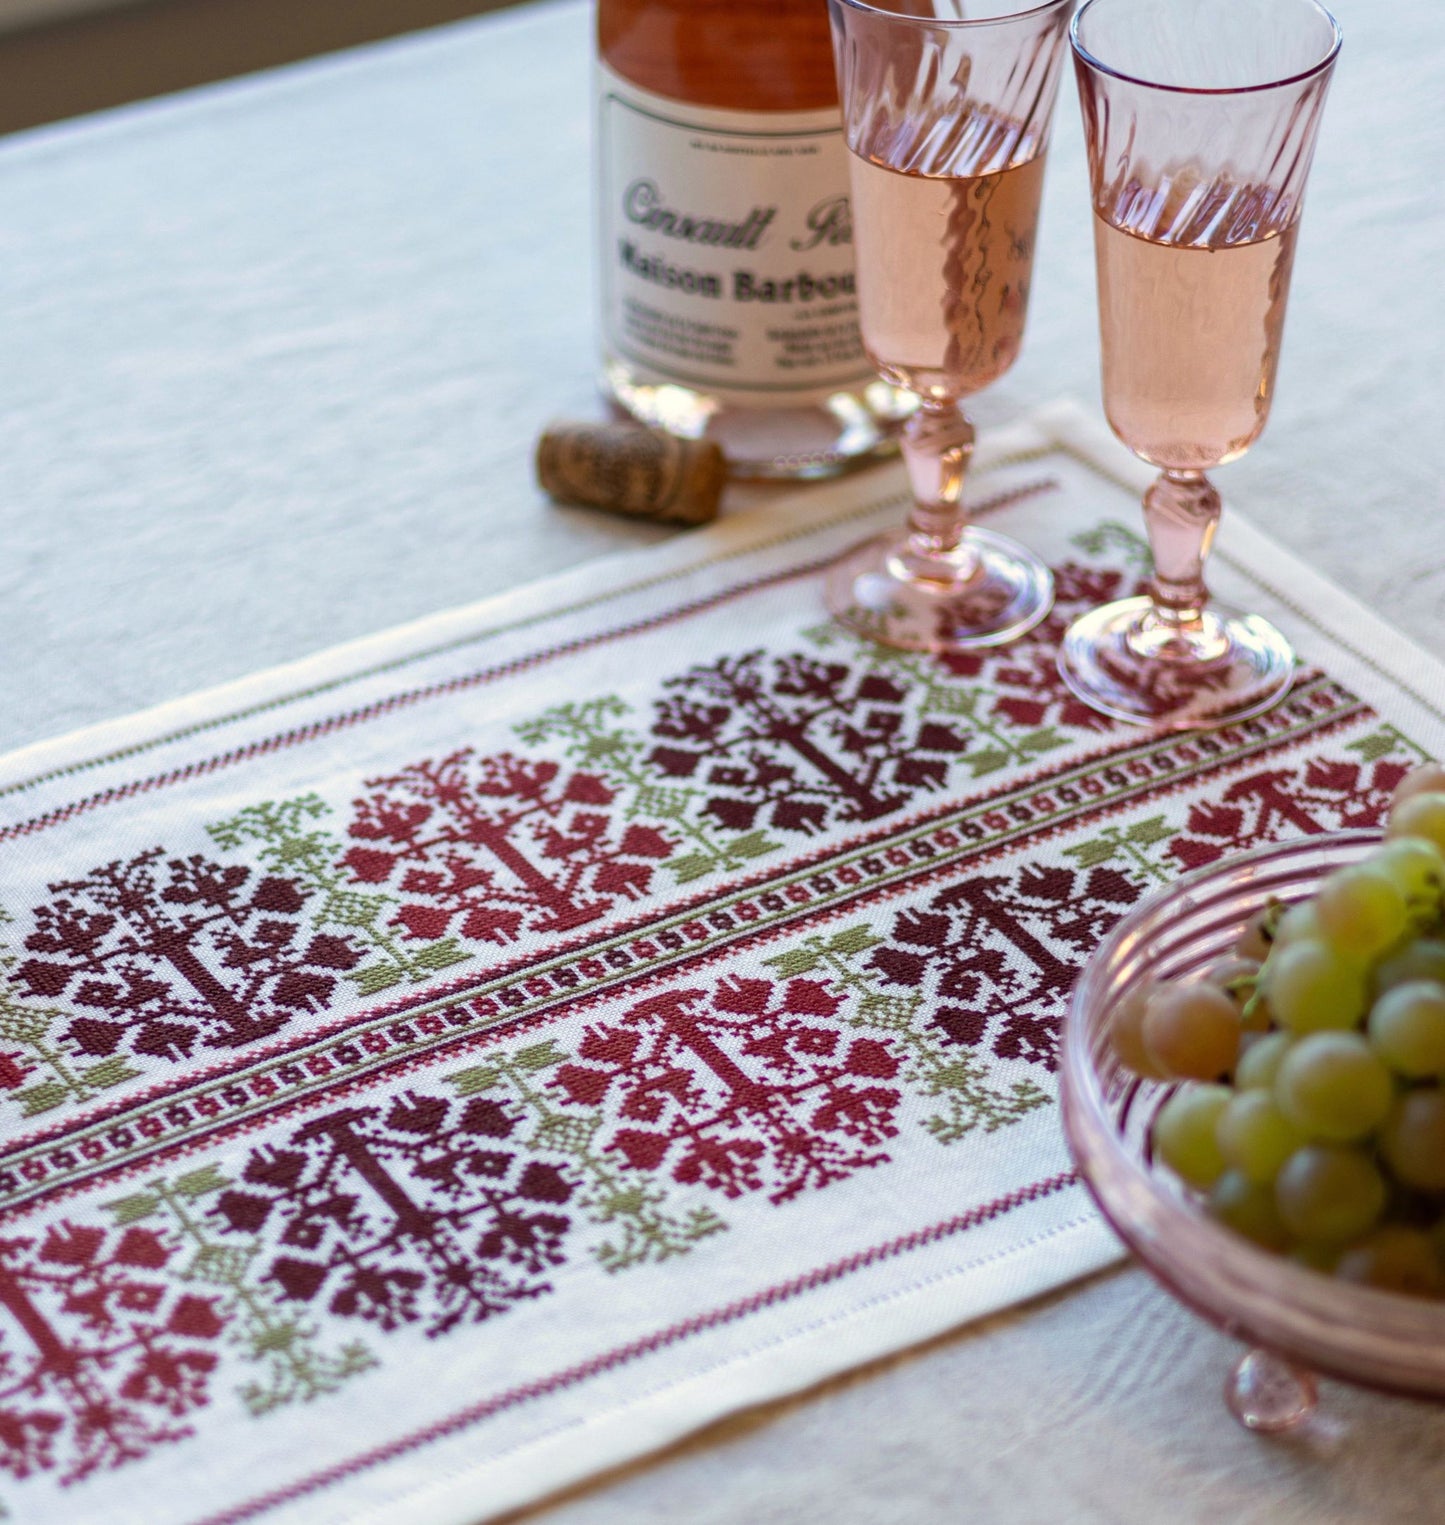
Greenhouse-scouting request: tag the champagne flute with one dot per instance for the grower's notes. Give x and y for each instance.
(946, 112)
(1200, 118)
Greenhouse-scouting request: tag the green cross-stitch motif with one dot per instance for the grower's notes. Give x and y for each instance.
(1134, 845)
(1382, 742)
(59, 1078)
(1110, 535)
(275, 1338)
(958, 1080)
(592, 736)
(291, 845)
(634, 1209)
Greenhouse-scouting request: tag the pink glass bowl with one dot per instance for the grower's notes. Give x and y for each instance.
(1296, 1320)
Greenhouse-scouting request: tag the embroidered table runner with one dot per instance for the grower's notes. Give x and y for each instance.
(465, 1060)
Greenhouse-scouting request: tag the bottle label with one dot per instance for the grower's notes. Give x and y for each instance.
(725, 252)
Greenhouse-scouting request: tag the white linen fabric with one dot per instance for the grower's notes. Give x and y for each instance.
(454, 1065)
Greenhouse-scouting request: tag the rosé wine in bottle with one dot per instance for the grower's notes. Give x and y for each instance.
(726, 298)
(944, 266)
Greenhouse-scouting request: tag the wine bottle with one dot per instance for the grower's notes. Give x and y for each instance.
(727, 304)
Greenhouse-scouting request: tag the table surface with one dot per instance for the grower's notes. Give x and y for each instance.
(274, 356)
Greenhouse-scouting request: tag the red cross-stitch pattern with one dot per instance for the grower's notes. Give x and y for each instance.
(1330, 793)
(491, 846)
(412, 1212)
(797, 743)
(169, 955)
(1024, 675)
(99, 1354)
(998, 953)
(747, 1086)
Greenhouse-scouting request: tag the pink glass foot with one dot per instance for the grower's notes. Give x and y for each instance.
(987, 590)
(1268, 1394)
(1133, 663)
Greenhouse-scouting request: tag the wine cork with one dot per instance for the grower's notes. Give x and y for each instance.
(639, 472)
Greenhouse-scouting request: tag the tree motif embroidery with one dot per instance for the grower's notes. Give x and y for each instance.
(37, 1069)
(1298, 799)
(100, 1354)
(270, 1333)
(173, 954)
(1010, 702)
(755, 745)
(634, 1210)
(995, 956)
(491, 847)
(969, 1098)
(1023, 681)
(747, 1087)
(408, 1213)
(291, 844)
(595, 738)
(798, 744)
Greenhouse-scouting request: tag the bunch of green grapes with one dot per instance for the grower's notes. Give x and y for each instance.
(1312, 1114)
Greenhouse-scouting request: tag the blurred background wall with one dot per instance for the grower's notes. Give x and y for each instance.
(59, 58)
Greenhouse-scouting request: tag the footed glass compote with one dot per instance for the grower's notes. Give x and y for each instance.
(1296, 1321)
(1200, 119)
(946, 111)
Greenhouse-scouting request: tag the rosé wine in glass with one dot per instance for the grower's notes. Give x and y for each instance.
(1200, 118)
(1223, 305)
(946, 113)
(960, 249)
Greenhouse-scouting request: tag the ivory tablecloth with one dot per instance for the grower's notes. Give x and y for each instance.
(280, 348)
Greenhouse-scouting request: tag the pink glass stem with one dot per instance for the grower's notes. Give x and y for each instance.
(937, 445)
(1181, 514)
(946, 122)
